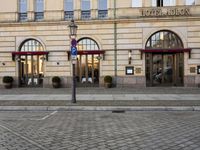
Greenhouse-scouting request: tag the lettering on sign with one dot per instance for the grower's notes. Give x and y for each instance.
(158, 12)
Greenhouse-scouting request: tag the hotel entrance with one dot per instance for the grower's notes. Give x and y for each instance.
(164, 69)
(88, 69)
(88, 62)
(30, 60)
(164, 60)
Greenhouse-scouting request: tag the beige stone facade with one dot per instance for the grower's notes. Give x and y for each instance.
(124, 29)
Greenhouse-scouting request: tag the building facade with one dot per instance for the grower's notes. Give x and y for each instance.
(137, 42)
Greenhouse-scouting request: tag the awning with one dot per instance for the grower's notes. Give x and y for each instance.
(180, 50)
(87, 52)
(14, 54)
(166, 50)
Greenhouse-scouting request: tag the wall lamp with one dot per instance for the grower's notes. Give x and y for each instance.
(129, 56)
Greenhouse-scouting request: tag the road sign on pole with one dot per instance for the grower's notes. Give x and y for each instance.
(73, 53)
(74, 42)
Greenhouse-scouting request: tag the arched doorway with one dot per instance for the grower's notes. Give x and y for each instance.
(88, 62)
(164, 59)
(31, 63)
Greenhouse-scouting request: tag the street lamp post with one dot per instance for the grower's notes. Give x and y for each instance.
(73, 30)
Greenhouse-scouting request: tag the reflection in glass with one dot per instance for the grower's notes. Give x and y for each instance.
(164, 40)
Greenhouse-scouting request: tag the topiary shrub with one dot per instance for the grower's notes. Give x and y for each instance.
(8, 80)
(108, 81)
(56, 82)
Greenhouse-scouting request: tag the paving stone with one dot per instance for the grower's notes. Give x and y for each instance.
(86, 130)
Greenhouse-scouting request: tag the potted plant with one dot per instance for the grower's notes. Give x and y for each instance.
(56, 82)
(8, 80)
(108, 81)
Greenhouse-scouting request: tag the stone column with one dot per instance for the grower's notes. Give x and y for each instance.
(180, 2)
(110, 4)
(30, 10)
(197, 2)
(147, 3)
(77, 9)
(94, 9)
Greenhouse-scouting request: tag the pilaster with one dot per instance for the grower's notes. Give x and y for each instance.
(94, 9)
(77, 9)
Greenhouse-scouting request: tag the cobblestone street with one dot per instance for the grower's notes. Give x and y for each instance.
(99, 130)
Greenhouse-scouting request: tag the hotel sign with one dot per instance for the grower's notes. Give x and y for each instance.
(164, 12)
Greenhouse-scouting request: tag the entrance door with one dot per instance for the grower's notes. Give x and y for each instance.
(164, 69)
(31, 70)
(87, 70)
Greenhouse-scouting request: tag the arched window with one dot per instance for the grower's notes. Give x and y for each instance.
(31, 45)
(87, 44)
(164, 40)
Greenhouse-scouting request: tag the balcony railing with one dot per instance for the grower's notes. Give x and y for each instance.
(102, 14)
(85, 15)
(39, 16)
(68, 15)
(22, 16)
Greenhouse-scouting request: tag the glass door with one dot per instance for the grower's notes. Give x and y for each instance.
(164, 69)
(31, 70)
(157, 69)
(87, 69)
(168, 69)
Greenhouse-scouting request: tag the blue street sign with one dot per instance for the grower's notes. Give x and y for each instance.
(73, 50)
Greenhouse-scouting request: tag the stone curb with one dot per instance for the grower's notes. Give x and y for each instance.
(116, 97)
(98, 108)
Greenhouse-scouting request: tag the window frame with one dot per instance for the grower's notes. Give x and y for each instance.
(162, 3)
(133, 4)
(39, 14)
(186, 3)
(22, 15)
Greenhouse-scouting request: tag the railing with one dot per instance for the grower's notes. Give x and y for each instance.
(68, 15)
(85, 15)
(102, 14)
(39, 16)
(22, 16)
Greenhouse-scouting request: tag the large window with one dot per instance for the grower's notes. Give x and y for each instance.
(87, 68)
(39, 10)
(32, 45)
(85, 9)
(164, 40)
(102, 9)
(87, 44)
(22, 10)
(136, 3)
(68, 9)
(161, 3)
(31, 68)
(189, 2)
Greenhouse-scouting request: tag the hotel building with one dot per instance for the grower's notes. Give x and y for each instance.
(137, 42)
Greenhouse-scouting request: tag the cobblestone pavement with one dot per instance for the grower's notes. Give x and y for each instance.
(99, 130)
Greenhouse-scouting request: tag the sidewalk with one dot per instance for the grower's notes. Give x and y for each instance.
(154, 98)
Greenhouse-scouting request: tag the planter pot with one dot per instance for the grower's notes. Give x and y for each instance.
(108, 85)
(56, 84)
(8, 85)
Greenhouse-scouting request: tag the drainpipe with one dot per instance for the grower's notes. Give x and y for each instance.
(115, 43)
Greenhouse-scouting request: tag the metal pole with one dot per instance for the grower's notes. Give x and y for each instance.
(73, 83)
